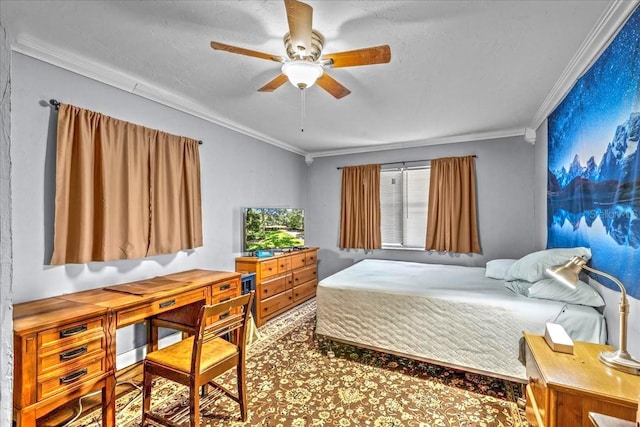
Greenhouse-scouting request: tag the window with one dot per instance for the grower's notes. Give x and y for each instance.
(404, 198)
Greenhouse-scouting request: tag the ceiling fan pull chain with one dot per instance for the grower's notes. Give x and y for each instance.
(302, 110)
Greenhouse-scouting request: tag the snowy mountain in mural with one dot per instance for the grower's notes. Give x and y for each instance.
(619, 162)
(608, 190)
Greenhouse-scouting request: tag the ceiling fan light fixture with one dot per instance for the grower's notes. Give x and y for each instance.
(302, 74)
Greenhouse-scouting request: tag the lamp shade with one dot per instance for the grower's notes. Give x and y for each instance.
(567, 273)
(302, 74)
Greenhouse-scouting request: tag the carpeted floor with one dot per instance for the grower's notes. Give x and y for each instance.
(292, 382)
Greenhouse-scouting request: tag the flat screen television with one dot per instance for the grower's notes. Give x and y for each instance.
(272, 228)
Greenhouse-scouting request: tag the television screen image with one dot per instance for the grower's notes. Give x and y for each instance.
(273, 228)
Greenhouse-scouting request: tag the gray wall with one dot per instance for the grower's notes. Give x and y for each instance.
(6, 320)
(504, 170)
(611, 298)
(237, 171)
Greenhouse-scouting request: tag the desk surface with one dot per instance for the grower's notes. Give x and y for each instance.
(30, 316)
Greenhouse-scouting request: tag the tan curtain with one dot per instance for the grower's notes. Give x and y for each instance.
(175, 195)
(103, 205)
(360, 207)
(452, 218)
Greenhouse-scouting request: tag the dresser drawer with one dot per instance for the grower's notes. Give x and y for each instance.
(273, 287)
(298, 261)
(305, 291)
(50, 385)
(284, 264)
(311, 258)
(60, 358)
(269, 268)
(231, 285)
(304, 275)
(141, 312)
(275, 304)
(68, 334)
(537, 393)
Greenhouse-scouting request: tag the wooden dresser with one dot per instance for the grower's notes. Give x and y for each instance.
(564, 388)
(282, 281)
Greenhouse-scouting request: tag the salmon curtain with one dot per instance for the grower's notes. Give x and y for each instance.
(452, 214)
(360, 207)
(107, 206)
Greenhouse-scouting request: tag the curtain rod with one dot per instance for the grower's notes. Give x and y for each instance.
(404, 162)
(56, 105)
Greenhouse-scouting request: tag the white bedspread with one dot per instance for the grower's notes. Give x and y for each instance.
(448, 314)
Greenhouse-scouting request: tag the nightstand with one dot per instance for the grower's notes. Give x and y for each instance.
(564, 388)
(600, 420)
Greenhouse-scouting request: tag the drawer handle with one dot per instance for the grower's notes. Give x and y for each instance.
(266, 291)
(167, 303)
(73, 377)
(73, 331)
(224, 315)
(225, 287)
(225, 299)
(311, 258)
(73, 353)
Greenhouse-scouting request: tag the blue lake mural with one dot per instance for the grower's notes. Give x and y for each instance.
(594, 162)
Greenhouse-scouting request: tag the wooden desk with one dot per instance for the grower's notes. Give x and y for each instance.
(64, 347)
(564, 388)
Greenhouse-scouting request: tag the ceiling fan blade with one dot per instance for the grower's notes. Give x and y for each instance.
(274, 84)
(300, 17)
(247, 52)
(366, 56)
(332, 86)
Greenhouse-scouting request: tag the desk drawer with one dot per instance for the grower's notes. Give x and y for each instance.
(68, 334)
(50, 385)
(232, 285)
(139, 313)
(62, 357)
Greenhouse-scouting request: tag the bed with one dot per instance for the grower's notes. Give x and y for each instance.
(450, 315)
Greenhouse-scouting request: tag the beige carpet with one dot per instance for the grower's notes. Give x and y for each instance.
(292, 382)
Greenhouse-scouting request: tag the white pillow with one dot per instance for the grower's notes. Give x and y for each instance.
(583, 294)
(531, 267)
(497, 268)
(519, 287)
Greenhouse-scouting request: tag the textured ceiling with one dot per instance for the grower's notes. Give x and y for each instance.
(457, 67)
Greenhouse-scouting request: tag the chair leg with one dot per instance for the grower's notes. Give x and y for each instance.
(242, 395)
(194, 405)
(146, 394)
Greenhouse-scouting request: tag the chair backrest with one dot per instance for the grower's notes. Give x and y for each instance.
(231, 318)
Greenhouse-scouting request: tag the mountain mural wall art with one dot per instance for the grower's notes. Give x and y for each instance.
(593, 196)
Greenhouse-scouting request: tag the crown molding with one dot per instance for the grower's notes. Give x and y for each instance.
(597, 41)
(136, 86)
(479, 136)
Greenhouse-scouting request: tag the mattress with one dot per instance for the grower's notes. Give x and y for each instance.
(450, 315)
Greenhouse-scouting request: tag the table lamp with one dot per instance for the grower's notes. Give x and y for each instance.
(619, 359)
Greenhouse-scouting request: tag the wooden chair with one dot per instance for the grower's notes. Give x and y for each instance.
(197, 360)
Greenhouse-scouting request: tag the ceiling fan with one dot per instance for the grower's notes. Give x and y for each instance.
(306, 64)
